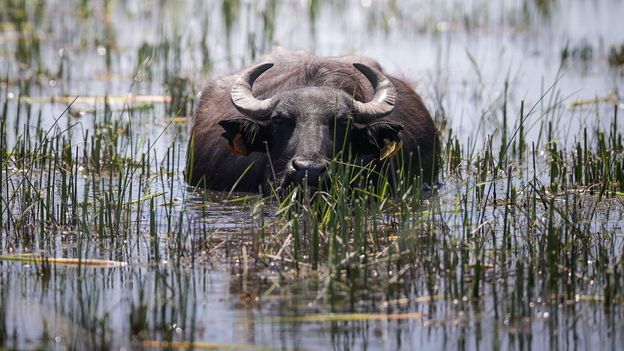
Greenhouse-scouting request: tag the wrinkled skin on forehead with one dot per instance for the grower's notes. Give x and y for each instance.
(303, 122)
(311, 122)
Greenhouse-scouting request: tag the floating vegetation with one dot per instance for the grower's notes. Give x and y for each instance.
(611, 100)
(87, 262)
(343, 317)
(182, 345)
(94, 100)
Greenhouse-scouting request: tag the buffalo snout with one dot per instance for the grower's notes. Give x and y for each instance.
(300, 168)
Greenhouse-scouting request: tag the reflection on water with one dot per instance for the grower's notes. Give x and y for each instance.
(198, 280)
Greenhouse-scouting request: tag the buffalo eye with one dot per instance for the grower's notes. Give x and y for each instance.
(341, 126)
(281, 120)
(342, 120)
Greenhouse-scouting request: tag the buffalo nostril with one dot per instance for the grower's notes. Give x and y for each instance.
(314, 169)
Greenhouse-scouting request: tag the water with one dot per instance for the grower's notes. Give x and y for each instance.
(203, 285)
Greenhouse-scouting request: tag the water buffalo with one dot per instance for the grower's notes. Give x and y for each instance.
(283, 119)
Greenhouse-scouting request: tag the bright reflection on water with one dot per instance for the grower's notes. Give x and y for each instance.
(459, 55)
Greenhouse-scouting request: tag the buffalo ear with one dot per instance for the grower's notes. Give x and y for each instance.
(379, 138)
(244, 136)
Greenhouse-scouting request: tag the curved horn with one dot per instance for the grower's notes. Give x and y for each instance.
(243, 98)
(383, 101)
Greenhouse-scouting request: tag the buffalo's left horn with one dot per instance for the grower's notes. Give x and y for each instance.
(383, 101)
(242, 96)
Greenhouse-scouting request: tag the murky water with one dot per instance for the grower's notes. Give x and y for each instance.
(459, 55)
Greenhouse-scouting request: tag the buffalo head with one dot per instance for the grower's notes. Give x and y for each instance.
(301, 129)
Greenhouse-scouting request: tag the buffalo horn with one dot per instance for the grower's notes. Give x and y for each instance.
(242, 96)
(383, 101)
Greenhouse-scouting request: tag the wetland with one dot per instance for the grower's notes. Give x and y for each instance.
(103, 245)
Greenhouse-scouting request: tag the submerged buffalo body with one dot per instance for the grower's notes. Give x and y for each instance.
(281, 121)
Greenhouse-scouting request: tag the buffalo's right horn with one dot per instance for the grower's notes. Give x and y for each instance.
(383, 100)
(242, 96)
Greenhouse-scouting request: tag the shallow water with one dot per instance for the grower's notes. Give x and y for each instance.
(197, 285)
